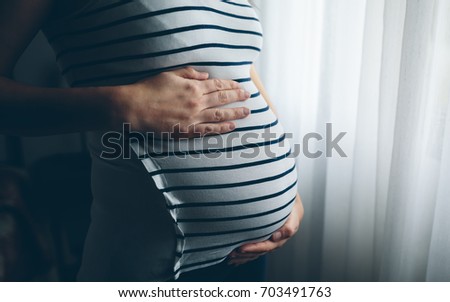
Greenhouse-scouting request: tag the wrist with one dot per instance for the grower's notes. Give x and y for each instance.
(116, 105)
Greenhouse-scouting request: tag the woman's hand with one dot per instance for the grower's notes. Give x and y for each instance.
(184, 99)
(182, 102)
(252, 251)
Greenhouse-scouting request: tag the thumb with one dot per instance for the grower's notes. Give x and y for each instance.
(277, 236)
(191, 73)
(285, 232)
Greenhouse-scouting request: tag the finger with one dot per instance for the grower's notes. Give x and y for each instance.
(191, 73)
(220, 98)
(277, 236)
(214, 85)
(261, 247)
(182, 131)
(223, 115)
(207, 129)
(237, 255)
(288, 230)
(241, 261)
(285, 232)
(246, 258)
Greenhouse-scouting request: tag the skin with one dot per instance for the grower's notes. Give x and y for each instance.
(194, 99)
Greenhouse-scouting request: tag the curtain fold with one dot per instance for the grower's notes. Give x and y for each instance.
(378, 71)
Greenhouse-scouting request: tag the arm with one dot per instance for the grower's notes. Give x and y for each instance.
(28, 110)
(252, 251)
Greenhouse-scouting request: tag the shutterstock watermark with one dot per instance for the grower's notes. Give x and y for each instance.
(250, 144)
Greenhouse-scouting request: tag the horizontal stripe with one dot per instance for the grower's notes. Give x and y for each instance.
(215, 247)
(220, 168)
(167, 136)
(187, 235)
(154, 35)
(228, 185)
(237, 4)
(207, 151)
(243, 217)
(259, 127)
(157, 70)
(149, 15)
(260, 110)
(157, 54)
(226, 203)
(243, 80)
(256, 94)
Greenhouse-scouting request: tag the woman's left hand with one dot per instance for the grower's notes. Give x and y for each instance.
(252, 251)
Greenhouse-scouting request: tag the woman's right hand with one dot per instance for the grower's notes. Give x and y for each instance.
(183, 102)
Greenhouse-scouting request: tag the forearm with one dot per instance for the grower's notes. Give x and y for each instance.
(28, 110)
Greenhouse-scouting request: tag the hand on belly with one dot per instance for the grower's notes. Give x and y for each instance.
(252, 251)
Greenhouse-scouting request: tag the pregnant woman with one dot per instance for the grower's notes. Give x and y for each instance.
(221, 188)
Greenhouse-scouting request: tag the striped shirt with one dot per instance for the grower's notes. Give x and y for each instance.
(220, 191)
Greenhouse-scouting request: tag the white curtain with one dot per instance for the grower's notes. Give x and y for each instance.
(378, 70)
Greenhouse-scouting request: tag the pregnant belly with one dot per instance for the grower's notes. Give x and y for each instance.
(209, 204)
(219, 191)
(226, 190)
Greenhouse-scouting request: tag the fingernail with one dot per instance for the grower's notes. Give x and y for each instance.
(246, 111)
(247, 94)
(232, 126)
(276, 236)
